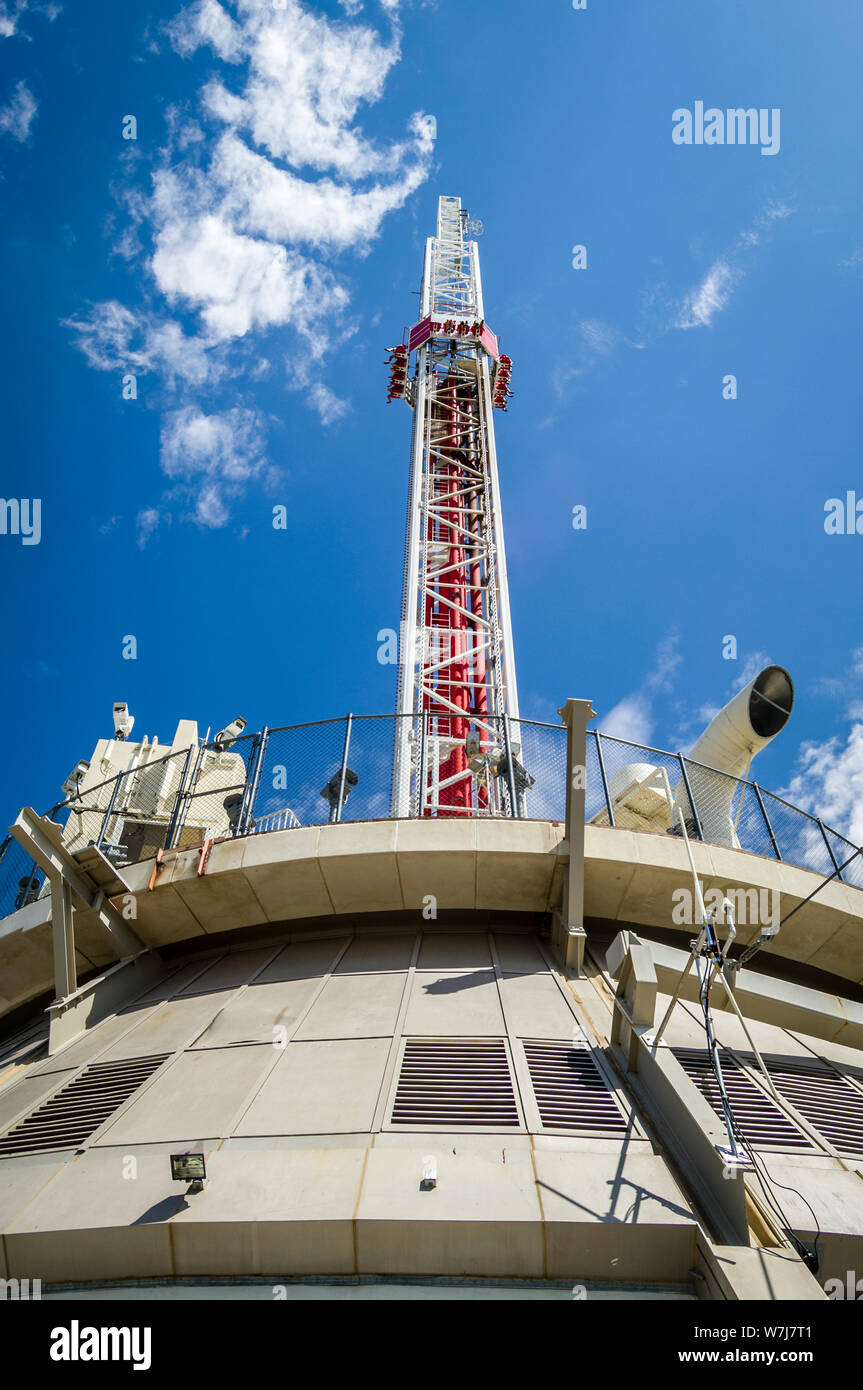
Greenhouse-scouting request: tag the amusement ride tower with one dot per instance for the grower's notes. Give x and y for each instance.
(457, 731)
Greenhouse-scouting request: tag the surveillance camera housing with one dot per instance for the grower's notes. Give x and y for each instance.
(75, 778)
(123, 721)
(225, 737)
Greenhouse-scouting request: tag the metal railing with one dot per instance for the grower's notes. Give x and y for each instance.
(342, 770)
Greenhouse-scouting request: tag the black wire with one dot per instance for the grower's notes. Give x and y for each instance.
(821, 885)
(766, 1180)
(810, 1257)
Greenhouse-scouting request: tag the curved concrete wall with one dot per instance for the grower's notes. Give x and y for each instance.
(396, 866)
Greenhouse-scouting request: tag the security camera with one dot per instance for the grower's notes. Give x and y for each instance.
(225, 737)
(123, 720)
(75, 778)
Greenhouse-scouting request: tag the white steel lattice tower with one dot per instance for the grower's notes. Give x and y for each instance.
(457, 734)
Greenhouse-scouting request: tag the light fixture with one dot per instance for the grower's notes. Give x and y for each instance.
(189, 1167)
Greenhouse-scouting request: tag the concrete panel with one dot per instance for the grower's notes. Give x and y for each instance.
(468, 950)
(232, 970)
(196, 1097)
(535, 1007)
(614, 1219)
(515, 863)
(377, 954)
(22, 1179)
(173, 1026)
(358, 863)
(222, 902)
(259, 1010)
(437, 857)
(163, 916)
(519, 954)
(88, 1046)
(303, 1202)
(452, 1004)
(91, 1222)
(303, 960)
(174, 982)
(290, 886)
(355, 1006)
(483, 1218)
(320, 1088)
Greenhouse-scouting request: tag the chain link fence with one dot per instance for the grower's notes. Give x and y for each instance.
(381, 767)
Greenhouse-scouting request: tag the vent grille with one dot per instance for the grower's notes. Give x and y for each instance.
(570, 1090)
(758, 1119)
(79, 1108)
(445, 1082)
(826, 1100)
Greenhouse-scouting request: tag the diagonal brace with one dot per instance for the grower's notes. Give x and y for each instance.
(42, 839)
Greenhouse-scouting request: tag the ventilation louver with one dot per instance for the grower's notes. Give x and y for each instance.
(570, 1090)
(79, 1108)
(446, 1082)
(758, 1118)
(827, 1101)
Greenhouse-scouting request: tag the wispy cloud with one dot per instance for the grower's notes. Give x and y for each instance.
(714, 291)
(662, 308)
(828, 780)
(632, 718)
(14, 13)
(17, 116)
(252, 200)
(710, 297)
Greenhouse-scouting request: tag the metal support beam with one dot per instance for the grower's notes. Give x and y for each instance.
(43, 841)
(569, 934)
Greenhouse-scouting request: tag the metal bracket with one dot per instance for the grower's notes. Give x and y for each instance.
(72, 887)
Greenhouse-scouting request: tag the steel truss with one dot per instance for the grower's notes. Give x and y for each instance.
(458, 737)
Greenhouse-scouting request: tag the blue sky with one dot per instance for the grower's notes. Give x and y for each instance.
(252, 252)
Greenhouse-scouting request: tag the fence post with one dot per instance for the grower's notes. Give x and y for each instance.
(177, 800)
(184, 797)
(597, 735)
(695, 817)
(773, 840)
(253, 781)
(103, 830)
(833, 858)
(340, 802)
(514, 809)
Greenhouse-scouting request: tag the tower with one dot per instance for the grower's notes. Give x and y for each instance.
(457, 726)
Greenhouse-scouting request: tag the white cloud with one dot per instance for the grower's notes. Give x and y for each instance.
(207, 23)
(710, 297)
(249, 207)
(17, 116)
(829, 782)
(212, 457)
(632, 718)
(146, 523)
(328, 405)
(13, 11)
(239, 283)
(114, 339)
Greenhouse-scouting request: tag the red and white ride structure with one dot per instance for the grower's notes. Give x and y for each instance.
(457, 740)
